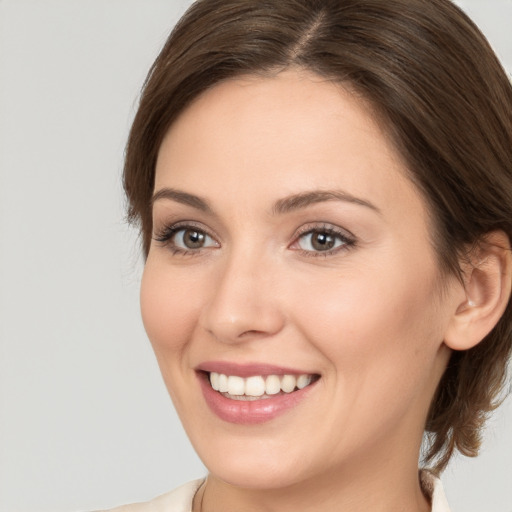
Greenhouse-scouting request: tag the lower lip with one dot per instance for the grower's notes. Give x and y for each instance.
(250, 412)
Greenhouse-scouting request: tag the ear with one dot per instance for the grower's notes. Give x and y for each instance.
(487, 286)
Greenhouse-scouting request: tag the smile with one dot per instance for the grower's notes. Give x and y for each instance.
(253, 393)
(257, 387)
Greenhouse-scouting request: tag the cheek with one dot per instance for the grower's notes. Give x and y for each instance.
(169, 310)
(381, 342)
(375, 323)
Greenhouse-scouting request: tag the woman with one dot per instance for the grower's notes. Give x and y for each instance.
(324, 191)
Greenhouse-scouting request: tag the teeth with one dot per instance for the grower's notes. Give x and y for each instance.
(255, 386)
(223, 383)
(214, 380)
(258, 386)
(303, 381)
(272, 385)
(288, 383)
(236, 385)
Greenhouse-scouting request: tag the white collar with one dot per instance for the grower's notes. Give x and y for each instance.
(433, 488)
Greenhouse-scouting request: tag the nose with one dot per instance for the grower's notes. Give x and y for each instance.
(244, 303)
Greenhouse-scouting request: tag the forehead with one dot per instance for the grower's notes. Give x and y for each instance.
(277, 135)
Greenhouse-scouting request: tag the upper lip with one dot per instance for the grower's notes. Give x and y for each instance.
(248, 369)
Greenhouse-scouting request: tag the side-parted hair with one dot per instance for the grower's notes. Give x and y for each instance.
(441, 95)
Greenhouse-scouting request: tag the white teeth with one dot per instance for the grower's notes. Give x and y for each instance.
(223, 383)
(257, 385)
(272, 385)
(236, 385)
(303, 381)
(214, 380)
(288, 383)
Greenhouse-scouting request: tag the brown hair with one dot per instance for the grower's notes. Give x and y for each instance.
(443, 97)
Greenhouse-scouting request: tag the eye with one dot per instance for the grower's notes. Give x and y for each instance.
(326, 240)
(319, 241)
(192, 238)
(185, 239)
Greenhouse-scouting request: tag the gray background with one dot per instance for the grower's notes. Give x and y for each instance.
(85, 421)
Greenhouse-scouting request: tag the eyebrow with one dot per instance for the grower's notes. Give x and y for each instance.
(304, 199)
(282, 206)
(184, 198)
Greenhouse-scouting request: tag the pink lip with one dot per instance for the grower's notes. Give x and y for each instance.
(247, 370)
(249, 412)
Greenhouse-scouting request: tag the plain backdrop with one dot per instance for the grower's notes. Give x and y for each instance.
(85, 421)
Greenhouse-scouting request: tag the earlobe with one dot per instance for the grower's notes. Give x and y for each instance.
(487, 285)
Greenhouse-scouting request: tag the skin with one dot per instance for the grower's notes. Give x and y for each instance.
(370, 318)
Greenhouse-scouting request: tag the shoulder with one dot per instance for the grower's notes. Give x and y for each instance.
(179, 500)
(433, 488)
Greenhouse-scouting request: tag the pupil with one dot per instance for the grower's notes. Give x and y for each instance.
(193, 239)
(322, 241)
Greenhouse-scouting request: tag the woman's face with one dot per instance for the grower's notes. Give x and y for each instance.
(288, 241)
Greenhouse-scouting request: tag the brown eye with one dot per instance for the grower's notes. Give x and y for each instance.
(191, 238)
(321, 241)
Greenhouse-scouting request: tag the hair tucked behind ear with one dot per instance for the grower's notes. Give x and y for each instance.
(438, 88)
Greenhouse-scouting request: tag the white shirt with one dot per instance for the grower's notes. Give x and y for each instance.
(180, 500)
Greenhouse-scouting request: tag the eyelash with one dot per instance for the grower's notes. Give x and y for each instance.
(166, 234)
(348, 240)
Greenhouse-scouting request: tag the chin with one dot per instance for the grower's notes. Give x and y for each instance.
(253, 463)
(268, 475)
